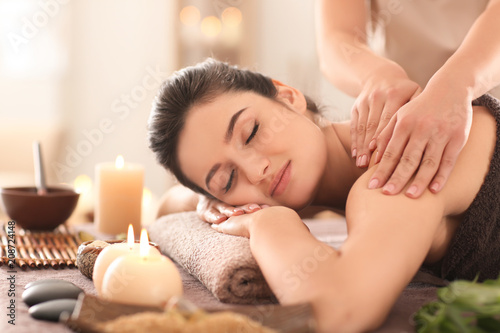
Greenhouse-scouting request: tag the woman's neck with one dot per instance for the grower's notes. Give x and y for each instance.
(341, 171)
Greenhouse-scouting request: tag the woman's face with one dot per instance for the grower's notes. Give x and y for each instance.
(244, 148)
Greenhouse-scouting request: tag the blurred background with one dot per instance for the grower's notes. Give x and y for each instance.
(80, 75)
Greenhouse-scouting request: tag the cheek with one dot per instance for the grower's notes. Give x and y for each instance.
(245, 195)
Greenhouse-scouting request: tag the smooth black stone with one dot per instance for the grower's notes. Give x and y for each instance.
(49, 291)
(51, 310)
(44, 281)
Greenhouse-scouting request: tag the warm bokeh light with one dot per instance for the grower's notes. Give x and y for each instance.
(130, 236)
(82, 184)
(147, 197)
(189, 16)
(144, 243)
(211, 26)
(120, 162)
(232, 16)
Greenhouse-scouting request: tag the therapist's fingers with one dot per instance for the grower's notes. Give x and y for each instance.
(407, 165)
(427, 170)
(446, 165)
(363, 109)
(389, 160)
(387, 114)
(353, 131)
(391, 106)
(376, 106)
(383, 138)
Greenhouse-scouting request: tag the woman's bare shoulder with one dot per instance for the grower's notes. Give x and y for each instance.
(472, 164)
(464, 182)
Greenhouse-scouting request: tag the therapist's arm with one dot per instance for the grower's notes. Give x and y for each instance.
(430, 131)
(380, 85)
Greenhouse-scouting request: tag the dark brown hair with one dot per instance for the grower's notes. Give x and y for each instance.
(192, 86)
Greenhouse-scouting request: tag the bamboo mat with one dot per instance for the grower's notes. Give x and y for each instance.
(37, 249)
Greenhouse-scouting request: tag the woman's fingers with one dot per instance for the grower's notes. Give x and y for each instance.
(212, 215)
(250, 208)
(237, 226)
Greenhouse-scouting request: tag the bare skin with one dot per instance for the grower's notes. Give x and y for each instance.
(415, 129)
(394, 232)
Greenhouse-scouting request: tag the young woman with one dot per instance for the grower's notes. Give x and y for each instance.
(242, 138)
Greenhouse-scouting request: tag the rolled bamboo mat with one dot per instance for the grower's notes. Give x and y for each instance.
(38, 249)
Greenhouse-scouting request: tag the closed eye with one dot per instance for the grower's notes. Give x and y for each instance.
(231, 176)
(254, 131)
(229, 182)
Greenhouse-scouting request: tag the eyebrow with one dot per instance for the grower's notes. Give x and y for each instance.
(230, 127)
(227, 138)
(211, 173)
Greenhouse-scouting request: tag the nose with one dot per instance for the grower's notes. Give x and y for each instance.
(255, 166)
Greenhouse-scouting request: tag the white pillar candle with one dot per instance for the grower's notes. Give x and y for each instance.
(142, 279)
(110, 253)
(119, 196)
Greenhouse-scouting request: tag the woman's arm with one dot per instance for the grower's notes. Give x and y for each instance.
(351, 290)
(380, 85)
(177, 199)
(474, 68)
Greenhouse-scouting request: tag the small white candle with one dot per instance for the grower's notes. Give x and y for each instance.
(142, 279)
(119, 196)
(110, 253)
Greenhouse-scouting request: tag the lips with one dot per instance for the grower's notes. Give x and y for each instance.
(281, 180)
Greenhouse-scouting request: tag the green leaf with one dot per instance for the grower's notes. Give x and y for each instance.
(462, 306)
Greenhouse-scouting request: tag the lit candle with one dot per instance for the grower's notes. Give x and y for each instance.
(110, 253)
(119, 196)
(142, 279)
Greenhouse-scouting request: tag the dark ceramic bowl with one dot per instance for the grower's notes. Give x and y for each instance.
(39, 212)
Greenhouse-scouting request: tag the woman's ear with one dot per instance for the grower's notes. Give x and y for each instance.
(291, 97)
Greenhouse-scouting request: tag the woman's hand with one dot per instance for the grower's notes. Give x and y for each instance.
(241, 225)
(383, 93)
(426, 137)
(215, 211)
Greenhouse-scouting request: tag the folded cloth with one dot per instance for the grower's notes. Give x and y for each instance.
(223, 263)
(475, 247)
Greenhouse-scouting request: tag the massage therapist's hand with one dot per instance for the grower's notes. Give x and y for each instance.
(383, 93)
(215, 211)
(425, 136)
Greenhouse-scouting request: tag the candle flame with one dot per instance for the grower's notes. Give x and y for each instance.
(144, 245)
(130, 236)
(120, 162)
